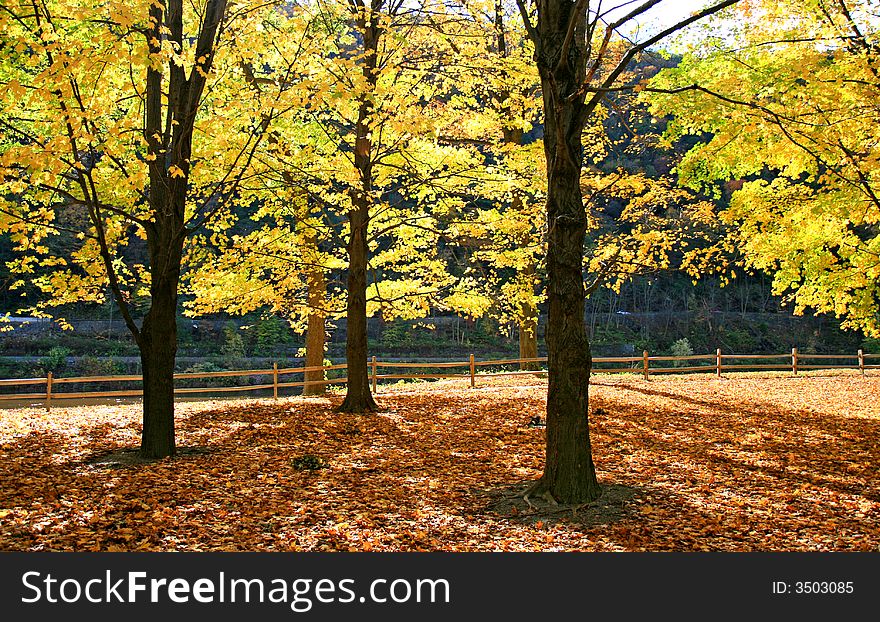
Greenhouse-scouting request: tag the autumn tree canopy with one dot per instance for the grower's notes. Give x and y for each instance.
(787, 93)
(118, 136)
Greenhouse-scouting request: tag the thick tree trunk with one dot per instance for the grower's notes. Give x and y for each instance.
(569, 474)
(315, 332)
(358, 398)
(158, 346)
(169, 95)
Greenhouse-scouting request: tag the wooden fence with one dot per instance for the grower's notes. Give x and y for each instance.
(712, 363)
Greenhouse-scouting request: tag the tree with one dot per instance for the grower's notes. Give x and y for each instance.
(514, 97)
(380, 110)
(789, 107)
(500, 229)
(577, 69)
(280, 266)
(100, 111)
(370, 25)
(362, 155)
(638, 221)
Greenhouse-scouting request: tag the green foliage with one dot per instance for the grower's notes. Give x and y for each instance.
(402, 334)
(116, 347)
(92, 366)
(871, 345)
(395, 334)
(205, 367)
(485, 333)
(233, 344)
(9, 368)
(737, 339)
(611, 335)
(79, 344)
(267, 334)
(56, 360)
(681, 347)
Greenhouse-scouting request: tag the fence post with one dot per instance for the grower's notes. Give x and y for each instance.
(275, 380)
(473, 371)
(48, 391)
(375, 378)
(794, 362)
(862, 362)
(645, 364)
(718, 363)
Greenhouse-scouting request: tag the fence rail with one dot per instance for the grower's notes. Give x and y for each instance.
(636, 364)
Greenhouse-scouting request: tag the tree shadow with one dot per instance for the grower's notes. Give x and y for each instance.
(832, 463)
(509, 502)
(129, 457)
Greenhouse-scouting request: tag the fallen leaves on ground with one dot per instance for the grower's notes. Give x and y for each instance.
(687, 463)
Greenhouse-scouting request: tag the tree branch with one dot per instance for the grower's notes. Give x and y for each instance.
(590, 106)
(527, 22)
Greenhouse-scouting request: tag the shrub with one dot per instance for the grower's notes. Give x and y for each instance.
(268, 333)
(394, 334)
(206, 367)
(233, 344)
(9, 368)
(871, 345)
(737, 339)
(92, 366)
(56, 360)
(682, 347)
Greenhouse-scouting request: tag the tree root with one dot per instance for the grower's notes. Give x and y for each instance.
(574, 509)
(535, 488)
(544, 494)
(359, 405)
(540, 489)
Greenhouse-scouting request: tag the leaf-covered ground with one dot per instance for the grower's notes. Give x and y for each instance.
(688, 463)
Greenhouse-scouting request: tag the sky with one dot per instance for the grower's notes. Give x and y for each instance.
(665, 14)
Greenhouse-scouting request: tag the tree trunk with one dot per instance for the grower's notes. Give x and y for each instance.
(315, 332)
(358, 398)
(158, 347)
(528, 340)
(528, 321)
(569, 474)
(171, 101)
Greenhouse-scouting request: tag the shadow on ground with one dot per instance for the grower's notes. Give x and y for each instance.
(613, 506)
